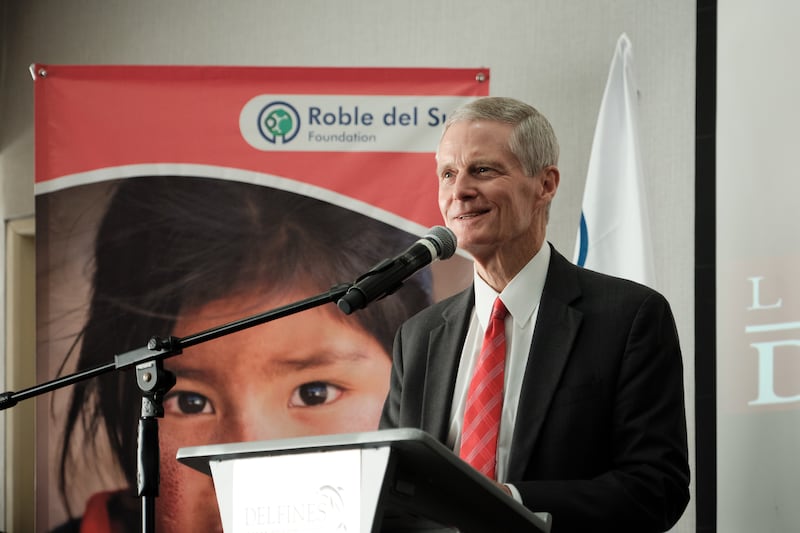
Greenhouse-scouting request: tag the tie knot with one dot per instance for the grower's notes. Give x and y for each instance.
(499, 310)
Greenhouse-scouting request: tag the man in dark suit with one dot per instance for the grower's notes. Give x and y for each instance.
(593, 425)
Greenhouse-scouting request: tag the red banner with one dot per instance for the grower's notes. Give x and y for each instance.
(365, 133)
(173, 200)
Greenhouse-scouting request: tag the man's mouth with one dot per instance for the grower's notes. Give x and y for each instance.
(471, 214)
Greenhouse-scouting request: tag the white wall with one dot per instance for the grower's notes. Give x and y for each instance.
(551, 53)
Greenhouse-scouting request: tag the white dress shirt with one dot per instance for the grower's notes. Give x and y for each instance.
(521, 297)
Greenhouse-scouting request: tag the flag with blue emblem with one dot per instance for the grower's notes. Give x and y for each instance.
(614, 232)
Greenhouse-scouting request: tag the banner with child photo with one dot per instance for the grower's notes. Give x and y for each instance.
(171, 200)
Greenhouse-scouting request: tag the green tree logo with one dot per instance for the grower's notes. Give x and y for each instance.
(278, 122)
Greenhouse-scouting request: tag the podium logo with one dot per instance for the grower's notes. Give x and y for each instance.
(332, 502)
(278, 122)
(314, 512)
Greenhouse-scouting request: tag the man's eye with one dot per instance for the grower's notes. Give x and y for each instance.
(187, 403)
(314, 393)
(449, 174)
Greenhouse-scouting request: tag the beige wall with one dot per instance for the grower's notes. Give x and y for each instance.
(551, 53)
(20, 335)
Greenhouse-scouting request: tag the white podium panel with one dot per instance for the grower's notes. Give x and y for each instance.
(334, 490)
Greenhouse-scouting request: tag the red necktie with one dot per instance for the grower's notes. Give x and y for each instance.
(485, 398)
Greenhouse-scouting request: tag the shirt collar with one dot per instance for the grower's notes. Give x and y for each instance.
(522, 294)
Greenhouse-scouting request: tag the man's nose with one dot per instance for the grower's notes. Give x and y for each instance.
(464, 186)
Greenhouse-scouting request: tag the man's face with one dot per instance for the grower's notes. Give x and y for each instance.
(485, 197)
(311, 373)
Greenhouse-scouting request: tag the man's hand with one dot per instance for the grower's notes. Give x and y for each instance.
(504, 488)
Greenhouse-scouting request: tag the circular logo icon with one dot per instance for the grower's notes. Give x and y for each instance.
(332, 501)
(278, 122)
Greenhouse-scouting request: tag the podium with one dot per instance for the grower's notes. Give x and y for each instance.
(392, 481)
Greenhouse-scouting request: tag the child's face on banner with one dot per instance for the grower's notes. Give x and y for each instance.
(315, 372)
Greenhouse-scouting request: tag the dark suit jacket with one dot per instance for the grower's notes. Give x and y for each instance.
(600, 436)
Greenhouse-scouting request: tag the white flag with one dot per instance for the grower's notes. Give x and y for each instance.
(614, 232)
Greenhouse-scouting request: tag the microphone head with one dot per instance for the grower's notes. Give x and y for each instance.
(444, 240)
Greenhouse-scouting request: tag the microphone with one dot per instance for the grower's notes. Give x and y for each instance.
(388, 275)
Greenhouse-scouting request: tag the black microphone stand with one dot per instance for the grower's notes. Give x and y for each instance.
(154, 382)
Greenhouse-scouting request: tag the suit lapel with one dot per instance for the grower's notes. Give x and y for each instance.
(556, 326)
(445, 344)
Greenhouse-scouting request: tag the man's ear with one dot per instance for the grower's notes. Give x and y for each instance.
(551, 177)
